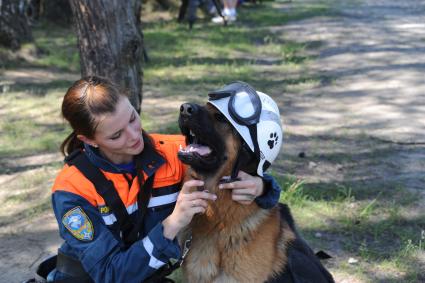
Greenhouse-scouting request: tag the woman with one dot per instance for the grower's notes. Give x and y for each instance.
(107, 133)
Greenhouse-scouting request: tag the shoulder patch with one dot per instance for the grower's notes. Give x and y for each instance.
(78, 224)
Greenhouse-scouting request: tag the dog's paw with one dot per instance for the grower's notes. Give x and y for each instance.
(273, 140)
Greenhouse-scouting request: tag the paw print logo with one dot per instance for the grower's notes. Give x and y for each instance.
(273, 140)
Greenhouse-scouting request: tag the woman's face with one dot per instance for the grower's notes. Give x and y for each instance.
(119, 134)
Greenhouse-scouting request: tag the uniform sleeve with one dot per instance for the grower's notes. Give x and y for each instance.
(271, 193)
(100, 252)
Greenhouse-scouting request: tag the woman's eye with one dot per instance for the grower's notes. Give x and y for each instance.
(132, 118)
(220, 117)
(117, 136)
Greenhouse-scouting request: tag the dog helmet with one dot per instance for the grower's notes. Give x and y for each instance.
(255, 116)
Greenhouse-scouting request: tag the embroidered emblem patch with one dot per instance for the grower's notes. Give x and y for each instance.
(78, 223)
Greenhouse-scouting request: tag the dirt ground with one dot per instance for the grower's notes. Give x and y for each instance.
(372, 110)
(369, 112)
(374, 101)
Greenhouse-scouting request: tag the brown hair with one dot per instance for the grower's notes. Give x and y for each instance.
(85, 99)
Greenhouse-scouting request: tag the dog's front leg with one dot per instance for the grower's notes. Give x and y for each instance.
(202, 262)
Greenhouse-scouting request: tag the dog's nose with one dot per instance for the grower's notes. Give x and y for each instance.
(188, 109)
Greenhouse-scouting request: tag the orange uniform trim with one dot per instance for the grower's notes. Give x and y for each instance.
(173, 170)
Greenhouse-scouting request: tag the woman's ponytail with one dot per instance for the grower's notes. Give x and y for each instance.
(70, 144)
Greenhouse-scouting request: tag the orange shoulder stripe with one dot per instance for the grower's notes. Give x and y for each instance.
(70, 179)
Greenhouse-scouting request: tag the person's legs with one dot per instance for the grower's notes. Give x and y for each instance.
(230, 8)
(209, 7)
(229, 11)
(191, 10)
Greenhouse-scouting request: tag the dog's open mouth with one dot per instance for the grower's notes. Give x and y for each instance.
(205, 150)
(198, 153)
(196, 146)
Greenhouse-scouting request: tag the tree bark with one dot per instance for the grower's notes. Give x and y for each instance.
(110, 43)
(14, 25)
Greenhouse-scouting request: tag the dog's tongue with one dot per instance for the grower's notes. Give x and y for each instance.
(200, 149)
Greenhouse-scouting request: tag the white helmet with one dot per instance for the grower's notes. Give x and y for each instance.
(255, 116)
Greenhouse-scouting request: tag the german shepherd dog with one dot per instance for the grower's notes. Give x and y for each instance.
(232, 242)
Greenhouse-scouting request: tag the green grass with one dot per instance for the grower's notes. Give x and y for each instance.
(272, 17)
(183, 61)
(378, 230)
(32, 124)
(53, 47)
(28, 194)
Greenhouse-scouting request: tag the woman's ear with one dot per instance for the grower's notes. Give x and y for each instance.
(86, 140)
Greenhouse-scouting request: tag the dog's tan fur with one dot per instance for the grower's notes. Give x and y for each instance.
(232, 242)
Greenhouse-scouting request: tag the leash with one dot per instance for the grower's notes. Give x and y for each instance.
(169, 268)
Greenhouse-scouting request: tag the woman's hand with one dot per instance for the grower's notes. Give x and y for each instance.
(189, 203)
(247, 189)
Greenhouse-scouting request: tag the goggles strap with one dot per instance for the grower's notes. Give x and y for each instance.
(244, 156)
(253, 132)
(236, 167)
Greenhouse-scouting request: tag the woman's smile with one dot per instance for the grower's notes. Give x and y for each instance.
(137, 144)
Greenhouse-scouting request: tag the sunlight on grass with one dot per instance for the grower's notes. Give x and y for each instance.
(53, 47)
(366, 227)
(293, 192)
(153, 126)
(29, 193)
(196, 74)
(267, 16)
(399, 268)
(31, 125)
(25, 187)
(59, 47)
(214, 55)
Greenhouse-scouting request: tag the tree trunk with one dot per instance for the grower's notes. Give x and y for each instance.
(110, 43)
(14, 25)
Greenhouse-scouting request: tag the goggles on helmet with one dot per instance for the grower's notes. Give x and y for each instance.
(244, 104)
(244, 107)
(255, 116)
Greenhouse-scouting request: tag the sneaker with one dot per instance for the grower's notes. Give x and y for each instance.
(217, 20)
(220, 20)
(231, 18)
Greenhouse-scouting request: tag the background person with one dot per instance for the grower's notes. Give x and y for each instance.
(229, 12)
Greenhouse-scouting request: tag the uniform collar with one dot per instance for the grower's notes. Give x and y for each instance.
(150, 159)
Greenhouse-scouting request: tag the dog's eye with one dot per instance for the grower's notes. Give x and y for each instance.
(220, 117)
